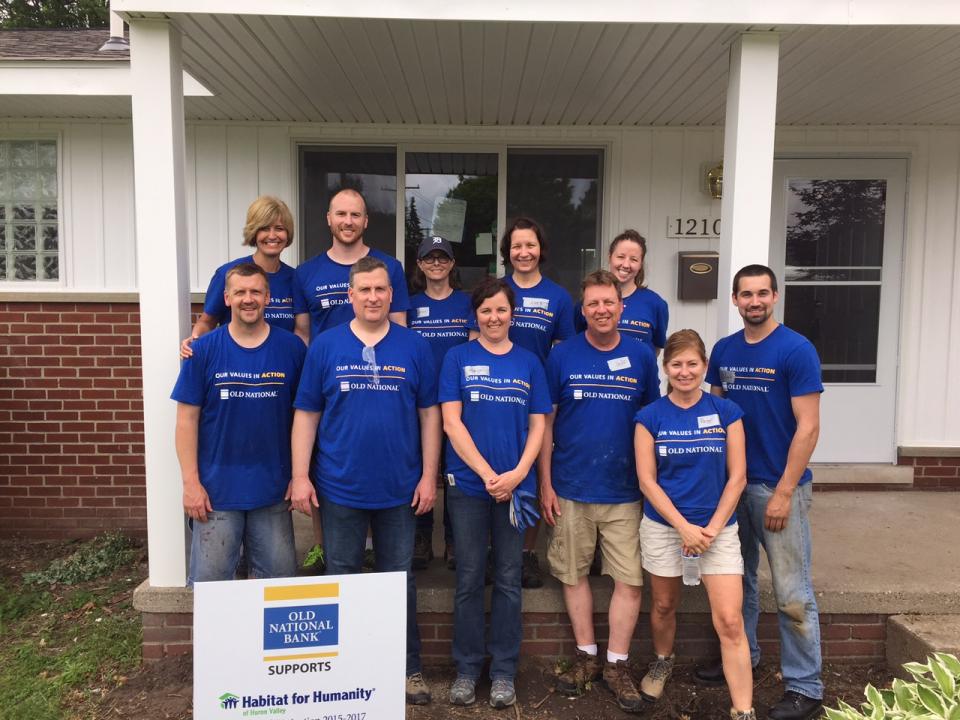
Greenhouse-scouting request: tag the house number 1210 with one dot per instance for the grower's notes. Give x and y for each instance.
(692, 227)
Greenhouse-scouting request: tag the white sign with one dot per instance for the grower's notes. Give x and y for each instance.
(449, 215)
(300, 648)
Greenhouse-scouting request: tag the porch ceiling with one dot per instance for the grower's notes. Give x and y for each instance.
(361, 70)
(521, 73)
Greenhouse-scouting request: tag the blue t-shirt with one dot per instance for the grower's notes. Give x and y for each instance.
(499, 393)
(690, 446)
(645, 317)
(542, 315)
(246, 412)
(368, 441)
(598, 394)
(322, 284)
(284, 303)
(442, 323)
(762, 378)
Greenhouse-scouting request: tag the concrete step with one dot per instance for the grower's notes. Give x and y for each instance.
(911, 638)
(875, 475)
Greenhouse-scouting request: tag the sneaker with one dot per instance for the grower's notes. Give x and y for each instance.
(651, 687)
(585, 669)
(617, 678)
(422, 551)
(502, 693)
(369, 560)
(314, 562)
(530, 573)
(417, 691)
(794, 706)
(743, 714)
(463, 691)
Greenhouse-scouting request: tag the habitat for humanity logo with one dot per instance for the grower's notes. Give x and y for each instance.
(228, 701)
(301, 618)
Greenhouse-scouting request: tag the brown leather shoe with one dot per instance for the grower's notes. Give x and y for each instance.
(617, 677)
(585, 668)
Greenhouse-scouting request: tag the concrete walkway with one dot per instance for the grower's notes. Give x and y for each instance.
(874, 552)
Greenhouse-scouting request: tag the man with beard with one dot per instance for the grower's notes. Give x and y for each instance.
(773, 374)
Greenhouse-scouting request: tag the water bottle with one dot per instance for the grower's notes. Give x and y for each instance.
(691, 568)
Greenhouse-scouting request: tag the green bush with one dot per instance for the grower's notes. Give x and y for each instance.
(101, 556)
(934, 695)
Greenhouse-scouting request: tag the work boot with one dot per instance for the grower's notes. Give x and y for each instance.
(416, 690)
(530, 572)
(617, 677)
(585, 668)
(712, 675)
(794, 706)
(651, 687)
(422, 551)
(743, 714)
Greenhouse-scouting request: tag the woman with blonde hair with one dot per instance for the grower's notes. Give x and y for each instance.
(691, 464)
(269, 229)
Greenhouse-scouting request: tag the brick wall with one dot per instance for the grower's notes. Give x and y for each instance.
(844, 638)
(71, 419)
(934, 473)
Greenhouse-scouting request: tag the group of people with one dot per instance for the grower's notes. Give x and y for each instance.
(330, 391)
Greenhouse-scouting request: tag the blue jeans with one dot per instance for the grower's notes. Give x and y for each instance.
(788, 552)
(474, 521)
(266, 535)
(344, 539)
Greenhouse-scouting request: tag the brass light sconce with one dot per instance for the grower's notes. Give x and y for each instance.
(714, 180)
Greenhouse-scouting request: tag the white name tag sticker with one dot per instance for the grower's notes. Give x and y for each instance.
(705, 421)
(423, 312)
(475, 371)
(534, 302)
(620, 363)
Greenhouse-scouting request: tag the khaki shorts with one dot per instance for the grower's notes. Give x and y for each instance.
(574, 539)
(661, 551)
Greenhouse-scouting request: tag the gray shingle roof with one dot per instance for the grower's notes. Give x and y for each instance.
(57, 45)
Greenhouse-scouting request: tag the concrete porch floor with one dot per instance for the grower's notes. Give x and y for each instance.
(873, 552)
(876, 552)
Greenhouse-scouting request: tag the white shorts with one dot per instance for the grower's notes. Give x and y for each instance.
(660, 551)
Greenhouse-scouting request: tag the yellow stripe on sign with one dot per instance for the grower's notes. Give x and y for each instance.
(302, 592)
(274, 658)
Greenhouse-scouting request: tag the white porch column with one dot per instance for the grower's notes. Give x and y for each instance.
(747, 163)
(163, 278)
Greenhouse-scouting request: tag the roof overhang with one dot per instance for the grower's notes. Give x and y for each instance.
(86, 79)
(726, 12)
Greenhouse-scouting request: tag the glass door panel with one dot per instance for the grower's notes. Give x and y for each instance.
(561, 190)
(324, 171)
(833, 270)
(453, 195)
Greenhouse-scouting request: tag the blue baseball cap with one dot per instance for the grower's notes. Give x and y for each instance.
(434, 242)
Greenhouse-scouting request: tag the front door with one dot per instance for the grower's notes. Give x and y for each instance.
(836, 242)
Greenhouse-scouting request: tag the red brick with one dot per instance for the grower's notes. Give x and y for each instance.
(869, 632)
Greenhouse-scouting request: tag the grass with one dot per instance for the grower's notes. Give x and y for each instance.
(63, 645)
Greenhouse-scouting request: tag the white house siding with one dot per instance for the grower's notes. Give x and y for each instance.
(650, 174)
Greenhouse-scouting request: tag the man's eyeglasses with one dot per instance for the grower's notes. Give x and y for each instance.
(369, 356)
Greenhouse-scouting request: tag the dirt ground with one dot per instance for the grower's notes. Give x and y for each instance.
(163, 690)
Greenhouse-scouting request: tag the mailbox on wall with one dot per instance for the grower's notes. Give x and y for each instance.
(698, 271)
